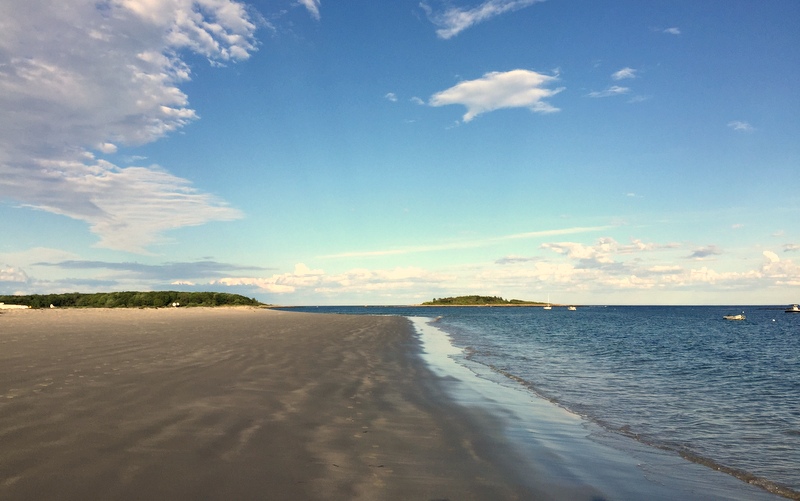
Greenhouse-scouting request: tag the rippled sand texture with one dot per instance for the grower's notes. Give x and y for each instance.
(231, 404)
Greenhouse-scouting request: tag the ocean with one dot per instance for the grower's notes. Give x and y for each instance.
(723, 394)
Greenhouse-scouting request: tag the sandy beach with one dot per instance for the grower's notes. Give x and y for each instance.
(233, 404)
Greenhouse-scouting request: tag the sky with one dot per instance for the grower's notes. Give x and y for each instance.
(312, 152)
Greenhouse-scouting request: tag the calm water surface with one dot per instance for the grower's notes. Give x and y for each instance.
(723, 393)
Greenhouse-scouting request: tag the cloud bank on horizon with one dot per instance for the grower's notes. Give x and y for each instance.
(616, 196)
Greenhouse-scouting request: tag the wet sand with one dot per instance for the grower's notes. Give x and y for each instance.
(235, 404)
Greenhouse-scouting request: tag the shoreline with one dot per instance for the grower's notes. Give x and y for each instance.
(248, 403)
(233, 404)
(580, 452)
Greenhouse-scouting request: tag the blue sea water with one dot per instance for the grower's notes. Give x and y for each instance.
(721, 393)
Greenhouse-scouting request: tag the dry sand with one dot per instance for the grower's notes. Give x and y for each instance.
(233, 404)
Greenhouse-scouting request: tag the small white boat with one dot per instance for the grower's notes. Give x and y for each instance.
(571, 308)
(549, 306)
(735, 317)
(793, 309)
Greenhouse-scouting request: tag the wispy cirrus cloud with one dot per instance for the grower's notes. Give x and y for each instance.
(116, 83)
(740, 126)
(468, 244)
(614, 90)
(453, 20)
(312, 6)
(497, 90)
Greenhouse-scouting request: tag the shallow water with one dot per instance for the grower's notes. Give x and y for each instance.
(722, 393)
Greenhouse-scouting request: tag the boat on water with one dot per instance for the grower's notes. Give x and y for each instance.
(571, 308)
(735, 317)
(549, 306)
(793, 309)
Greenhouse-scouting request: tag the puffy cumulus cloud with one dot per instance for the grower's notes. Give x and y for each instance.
(81, 78)
(780, 271)
(609, 269)
(304, 280)
(606, 271)
(452, 20)
(303, 277)
(498, 90)
(603, 252)
(624, 73)
(11, 274)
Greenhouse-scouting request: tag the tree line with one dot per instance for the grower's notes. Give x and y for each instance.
(130, 299)
(475, 301)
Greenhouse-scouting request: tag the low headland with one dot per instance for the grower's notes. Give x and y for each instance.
(475, 300)
(129, 299)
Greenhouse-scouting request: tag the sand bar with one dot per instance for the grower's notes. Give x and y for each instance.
(232, 404)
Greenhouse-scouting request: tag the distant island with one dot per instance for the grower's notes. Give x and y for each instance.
(130, 299)
(480, 301)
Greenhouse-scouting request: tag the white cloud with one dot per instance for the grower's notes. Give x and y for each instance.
(85, 77)
(624, 73)
(312, 6)
(638, 99)
(417, 100)
(780, 271)
(454, 20)
(303, 277)
(467, 244)
(614, 90)
(11, 274)
(496, 90)
(740, 126)
(354, 281)
(672, 31)
(391, 96)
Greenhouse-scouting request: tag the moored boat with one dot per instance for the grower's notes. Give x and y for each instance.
(793, 309)
(735, 317)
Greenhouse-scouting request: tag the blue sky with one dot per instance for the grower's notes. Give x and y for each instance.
(370, 152)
